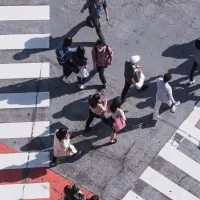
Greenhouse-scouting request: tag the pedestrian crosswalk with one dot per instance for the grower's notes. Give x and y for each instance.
(17, 13)
(160, 178)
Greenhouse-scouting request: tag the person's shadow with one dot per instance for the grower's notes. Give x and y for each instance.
(42, 44)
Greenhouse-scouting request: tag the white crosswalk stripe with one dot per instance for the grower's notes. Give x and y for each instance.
(24, 100)
(24, 70)
(24, 160)
(132, 196)
(24, 130)
(165, 186)
(24, 41)
(25, 191)
(13, 100)
(171, 154)
(24, 13)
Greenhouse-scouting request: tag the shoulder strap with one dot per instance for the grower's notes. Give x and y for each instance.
(107, 51)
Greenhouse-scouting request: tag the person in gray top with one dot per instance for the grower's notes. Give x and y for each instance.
(196, 61)
(164, 94)
(96, 8)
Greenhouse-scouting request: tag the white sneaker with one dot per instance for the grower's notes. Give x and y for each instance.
(192, 82)
(173, 109)
(65, 80)
(155, 118)
(81, 87)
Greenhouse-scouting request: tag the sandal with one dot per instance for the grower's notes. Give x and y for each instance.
(113, 141)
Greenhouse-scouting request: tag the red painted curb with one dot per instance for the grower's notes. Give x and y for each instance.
(37, 175)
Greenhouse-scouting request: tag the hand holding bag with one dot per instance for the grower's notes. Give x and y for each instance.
(119, 124)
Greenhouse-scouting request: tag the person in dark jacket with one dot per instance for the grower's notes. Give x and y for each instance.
(80, 61)
(96, 8)
(129, 74)
(196, 61)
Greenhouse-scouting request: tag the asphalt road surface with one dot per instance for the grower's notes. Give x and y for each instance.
(144, 162)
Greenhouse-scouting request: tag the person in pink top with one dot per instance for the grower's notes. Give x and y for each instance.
(97, 108)
(116, 112)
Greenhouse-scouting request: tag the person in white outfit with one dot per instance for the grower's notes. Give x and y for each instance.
(164, 95)
(62, 146)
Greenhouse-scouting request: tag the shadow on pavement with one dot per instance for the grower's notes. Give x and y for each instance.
(55, 43)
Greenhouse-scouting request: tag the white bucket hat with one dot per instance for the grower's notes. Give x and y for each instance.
(134, 59)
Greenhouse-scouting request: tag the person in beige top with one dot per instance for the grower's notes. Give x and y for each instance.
(62, 146)
(97, 108)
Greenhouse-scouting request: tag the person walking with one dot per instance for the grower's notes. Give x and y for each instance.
(64, 57)
(80, 61)
(164, 95)
(97, 108)
(62, 146)
(196, 61)
(116, 112)
(133, 75)
(96, 8)
(102, 56)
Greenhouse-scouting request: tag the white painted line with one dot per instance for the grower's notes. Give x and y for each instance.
(181, 161)
(24, 41)
(24, 70)
(131, 196)
(24, 13)
(24, 160)
(25, 191)
(24, 100)
(24, 129)
(188, 130)
(165, 186)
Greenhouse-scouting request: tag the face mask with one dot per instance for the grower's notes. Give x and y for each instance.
(100, 50)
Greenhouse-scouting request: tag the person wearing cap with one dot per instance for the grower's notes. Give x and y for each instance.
(196, 61)
(164, 95)
(131, 72)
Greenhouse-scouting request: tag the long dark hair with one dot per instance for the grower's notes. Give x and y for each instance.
(116, 103)
(80, 51)
(61, 134)
(94, 100)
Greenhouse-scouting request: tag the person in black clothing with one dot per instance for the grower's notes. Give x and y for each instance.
(80, 61)
(96, 8)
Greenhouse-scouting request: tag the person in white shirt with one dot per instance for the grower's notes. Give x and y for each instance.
(164, 95)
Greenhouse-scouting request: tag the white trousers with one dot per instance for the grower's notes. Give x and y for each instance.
(157, 107)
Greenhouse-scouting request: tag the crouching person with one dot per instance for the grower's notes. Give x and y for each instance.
(62, 146)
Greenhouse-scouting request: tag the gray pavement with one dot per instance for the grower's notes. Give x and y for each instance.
(161, 32)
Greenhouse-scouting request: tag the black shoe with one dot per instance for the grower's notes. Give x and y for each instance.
(87, 130)
(104, 86)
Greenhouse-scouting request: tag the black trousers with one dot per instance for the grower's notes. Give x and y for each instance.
(96, 23)
(92, 116)
(54, 159)
(67, 70)
(101, 74)
(125, 90)
(194, 68)
(81, 81)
